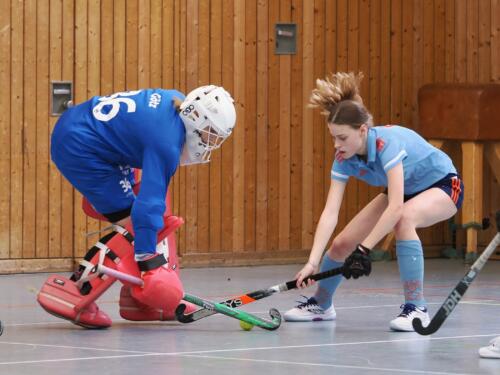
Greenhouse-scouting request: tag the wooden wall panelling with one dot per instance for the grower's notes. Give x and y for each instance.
(296, 124)
(180, 84)
(29, 131)
(308, 79)
(374, 45)
(385, 63)
(472, 30)
(81, 94)
(407, 54)
(495, 41)
(5, 127)
(435, 233)
(318, 125)
(330, 67)
(262, 127)
(450, 40)
(169, 38)
(42, 131)
(484, 46)
(239, 172)
(191, 173)
(460, 42)
(119, 45)
(131, 44)
(144, 44)
(172, 30)
(396, 62)
(350, 196)
(216, 180)
(428, 38)
(439, 40)
(68, 73)
(106, 47)
(266, 187)
(94, 74)
(156, 37)
(250, 131)
(284, 138)
(227, 152)
(274, 142)
(204, 203)
(363, 66)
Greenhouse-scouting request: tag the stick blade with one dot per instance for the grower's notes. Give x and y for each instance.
(179, 314)
(424, 331)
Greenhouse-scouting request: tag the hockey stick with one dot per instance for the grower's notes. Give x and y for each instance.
(221, 308)
(250, 297)
(270, 325)
(456, 294)
(1, 328)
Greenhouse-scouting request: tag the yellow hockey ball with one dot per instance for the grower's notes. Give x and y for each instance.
(246, 326)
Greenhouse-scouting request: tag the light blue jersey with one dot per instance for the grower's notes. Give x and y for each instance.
(96, 143)
(423, 164)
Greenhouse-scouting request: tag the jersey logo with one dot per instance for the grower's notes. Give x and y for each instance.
(380, 144)
(362, 172)
(154, 100)
(126, 185)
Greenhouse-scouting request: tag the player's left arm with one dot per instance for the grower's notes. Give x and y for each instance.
(394, 210)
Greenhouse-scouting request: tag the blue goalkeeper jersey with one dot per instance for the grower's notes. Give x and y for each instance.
(387, 146)
(138, 129)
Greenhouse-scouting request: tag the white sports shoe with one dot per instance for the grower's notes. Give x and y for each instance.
(410, 311)
(492, 350)
(309, 311)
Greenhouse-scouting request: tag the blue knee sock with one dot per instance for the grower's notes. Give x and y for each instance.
(411, 270)
(327, 287)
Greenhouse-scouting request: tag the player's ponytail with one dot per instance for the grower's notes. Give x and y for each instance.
(338, 98)
(176, 102)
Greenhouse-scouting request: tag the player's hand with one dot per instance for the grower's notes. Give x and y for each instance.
(307, 270)
(358, 263)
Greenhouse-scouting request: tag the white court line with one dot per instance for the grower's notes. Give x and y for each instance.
(462, 302)
(146, 354)
(364, 368)
(35, 323)
(75, 347)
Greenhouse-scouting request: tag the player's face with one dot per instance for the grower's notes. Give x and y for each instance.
(349, 141)
(210, 137)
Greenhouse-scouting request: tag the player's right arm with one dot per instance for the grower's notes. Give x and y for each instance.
(326, 226)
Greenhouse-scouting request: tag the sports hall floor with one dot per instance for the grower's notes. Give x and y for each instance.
(359, 342)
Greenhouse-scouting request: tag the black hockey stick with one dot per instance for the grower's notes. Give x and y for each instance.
(456, 294)
(250, 297)
(1, 328)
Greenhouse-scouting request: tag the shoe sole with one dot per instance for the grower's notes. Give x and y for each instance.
(317, 319)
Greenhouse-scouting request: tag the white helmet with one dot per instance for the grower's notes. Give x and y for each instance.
(209, 116)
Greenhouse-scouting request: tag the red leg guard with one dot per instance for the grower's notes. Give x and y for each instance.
(132, 309)
(73, 299)
(59, 296)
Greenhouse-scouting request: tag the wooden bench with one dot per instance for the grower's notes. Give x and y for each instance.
(469, 114)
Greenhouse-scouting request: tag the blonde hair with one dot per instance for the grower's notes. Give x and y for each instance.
(176, 102)
(338, 98)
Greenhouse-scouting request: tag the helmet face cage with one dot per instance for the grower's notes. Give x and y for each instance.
(210, 138)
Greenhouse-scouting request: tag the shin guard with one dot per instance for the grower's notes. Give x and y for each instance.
(73, 299)
(132, 309)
